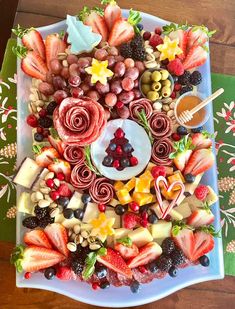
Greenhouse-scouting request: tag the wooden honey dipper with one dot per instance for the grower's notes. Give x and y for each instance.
(187, 115)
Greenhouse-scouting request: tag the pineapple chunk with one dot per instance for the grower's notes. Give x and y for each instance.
(190, 187)
(123, 196)
(147, 175)
(142, 185)
(120, 233)
(169, 170)
(110, 213)
(118, 185)
(184, 209)
(178, 172)
(25, 204)
(161, 229)
(142, 198)
(130, 184)
(169, 195)
(140, 236)
(91, 212)
(75, 201)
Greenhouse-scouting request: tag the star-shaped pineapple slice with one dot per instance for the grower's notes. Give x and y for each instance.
(169, 49)
(99, 71)
(102, 226)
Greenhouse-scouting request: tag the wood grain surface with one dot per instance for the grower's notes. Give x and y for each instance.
(215, 14)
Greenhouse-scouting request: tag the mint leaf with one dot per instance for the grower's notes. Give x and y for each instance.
(89, 265)
(167, 29)
(125, 241)
(102, 251)
(210, 230)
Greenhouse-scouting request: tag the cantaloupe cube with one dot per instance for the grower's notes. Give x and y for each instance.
(142, 185)
(161, 229)
(118, 185)
(142, 198)
(123, 196)
(173, 178)
(130, 184)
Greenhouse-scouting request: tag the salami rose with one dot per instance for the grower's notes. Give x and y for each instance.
(161, 150)
(160, 125)
(79, 121)
(74, 154)
(137, 106)
(101, 191)
(82, 177)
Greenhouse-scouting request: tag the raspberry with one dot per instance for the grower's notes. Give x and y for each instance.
(176, 67)
(201, 192)
(155, 40)
(64, 190)
(176, 137)
(146, 35)
(32, 121)
(173, 95)
(158, 30)
(158, 171)
(130, 220)
(65, 273)
(177, 87)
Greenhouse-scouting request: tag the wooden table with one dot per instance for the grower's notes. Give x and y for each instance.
(215, 14)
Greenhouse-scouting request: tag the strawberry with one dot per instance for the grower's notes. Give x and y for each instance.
(123, 30)
(200, 161)
(54, 45)
(185, 241)
(182, 36)
(112, 12)
(183, 151)
(94, 18)
(57, 235)
(147, 254)
(196, 57)
(55, 141)
(31, 39)
(198, 35)
(201, 192)
(64, 190)
(33, 258)
(204, 243)
(201, 140)
(130, 220)
(37, 238)
(127, 252)
(115, 262)
(200, 217)
(45, 155)
(176, 67)
(65, 273)
(61, 166)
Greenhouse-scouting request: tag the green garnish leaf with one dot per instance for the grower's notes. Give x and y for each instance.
(98, 10)
(125, 241)
(61, 34)
(206, 207)
(83, 13)
(204, 29)
(105, 2)
(208, 134)
(88, 161)
(167, 29)
(17, 257)
(144, 123)
(20, 51)
(182, 145)
(54, 133)
(178, 226)
(102, 251)
(210, 230)
(134, 18)
(20, 32)
(89, 265)
(37, 149)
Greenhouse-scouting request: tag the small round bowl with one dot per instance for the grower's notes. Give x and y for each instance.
(202, 97)
(152, 70)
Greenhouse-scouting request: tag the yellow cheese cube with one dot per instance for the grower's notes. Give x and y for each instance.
(147, 175)
(142, 198)
(142, 185)
(130, 184)
(123, 196)
(169, 195)
(118, 185)
(173, 178)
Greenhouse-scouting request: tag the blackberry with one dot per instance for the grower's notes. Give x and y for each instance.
(45, 122)
(168, 246)
(125, 50)
(139, 53)
(184, 79)
(195, 78)
(137, 42)
(81, 253)
(185, 89)
(164, 263)
(45, 221)
(177, 257)
(77, 266)
(40, 212)
(30, 222)
(51, 107)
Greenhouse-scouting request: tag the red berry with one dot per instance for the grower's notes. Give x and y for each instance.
(77, 92)
(158, 30)
(32, 121)
(158, 171)
(201, 192)
(176, 137)
(54, 195)
(119, 149)
(168, 218)
(155, 40)
(176, 67)
(60, 176)
(144, 215)
(146, 35)
(130, 220)
(39, 130)
(134, 206)
(95, 285)
(119, 133)
(144, 223)
(45, 133)
(101, 207)
(177, 87)
(173, 95)
(50, 183)
(134, 161)
(42, 113)
(27, 275)
(116, 164)
(119, 104)
(143, 269)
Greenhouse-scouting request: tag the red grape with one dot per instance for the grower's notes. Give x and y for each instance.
(110, 99)
(93, 94)
(119, 58)
(140, 66)
(73, 69)
(72, 59)
(119, 69)
(129, 63)
(116, 87)
(111, 61)
(74, 81)
(60, 95)
(58, 82)
(65, 73)
(136, 83)
(88, 80)
(49, 77)
(123, 112)
(127, 84)
(137, 93)
(46, 88)
(102, 89)
(113, 51)
(84, 62)
(107, 114)
(133, 73)
(85, 87)
(100, 54)
(56, 66)
(126, 97)
(77, 92)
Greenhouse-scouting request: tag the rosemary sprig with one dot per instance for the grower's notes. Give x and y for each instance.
(144, 123)
(88, 161)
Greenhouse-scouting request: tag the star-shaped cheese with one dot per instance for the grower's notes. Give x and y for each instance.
(169, 49)
(99, 71)
(102, 226)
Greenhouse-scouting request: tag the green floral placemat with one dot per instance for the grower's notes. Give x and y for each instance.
(224, 117)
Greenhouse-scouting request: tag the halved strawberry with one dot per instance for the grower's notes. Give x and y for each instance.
(200, 217)
(185, 241)
(115, 262)
(127, 252)
(94, 18)
(37, 238)
(182, 36)
(130, 220)
(56, 142)
(60, 166)
(123, 30)
(147, 254)
(183, 151)
(45, 155)
(200, 161)
(54, 45)
(197, 36)
(203, 243)
(196, 57)
(57, 235)
(201, 140)
(33, 258)
(112, 12)
(31, 39)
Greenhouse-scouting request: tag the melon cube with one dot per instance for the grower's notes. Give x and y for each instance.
(91, 212)
(161, 229)
(120, 233)
(75, 201)
(24, 204)
(184, 209)
(110, 213)
(140, 236)
(142, 185)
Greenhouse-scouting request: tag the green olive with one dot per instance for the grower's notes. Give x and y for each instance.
(156, 86)
(166, 82)
(153, 95)
(165, 74)
(146, 77)
(166, 92)
(156, 76)
(145, 88)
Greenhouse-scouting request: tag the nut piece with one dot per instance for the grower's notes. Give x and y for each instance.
(84, 234)
(172, 105)
(157, 106)
(94, 246)
(54, 212)
(166, 108)
(76, 228)
(38, 195)
(78, 239)
(53, 205)
(45, 190)
(57, 182)
(50, 175)
(71, 246)
(170, 113)
(43, 203)
(84, 243)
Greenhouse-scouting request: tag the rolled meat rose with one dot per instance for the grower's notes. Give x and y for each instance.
(160, 125)
(137, 106)
(82, 177)
(79, 121)
(74, 154)
(161, 150)
(101, 191)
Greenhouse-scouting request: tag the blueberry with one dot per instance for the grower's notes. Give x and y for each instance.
(182, 130)
(101, 272)
(125, 162)
(38, 137)
(140, 27)
(50, 273)
(173, 271)
(119, 209)
(78, 213)
(107, 161)
(204, 261)
(127, 147)
(152, 218)
(63, 201)
(197, 130)
(68, 213)
(86, 198)
(104, 285)
(135, 287)
(112, 146)
(189, 178)
(153, 267)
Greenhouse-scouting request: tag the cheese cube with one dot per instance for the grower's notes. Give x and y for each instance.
(161, 229)
(130, 184)
(24, 204)
(69, 223)
(140, 236)
(142, 198)
(175, 215)
(123, 196)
